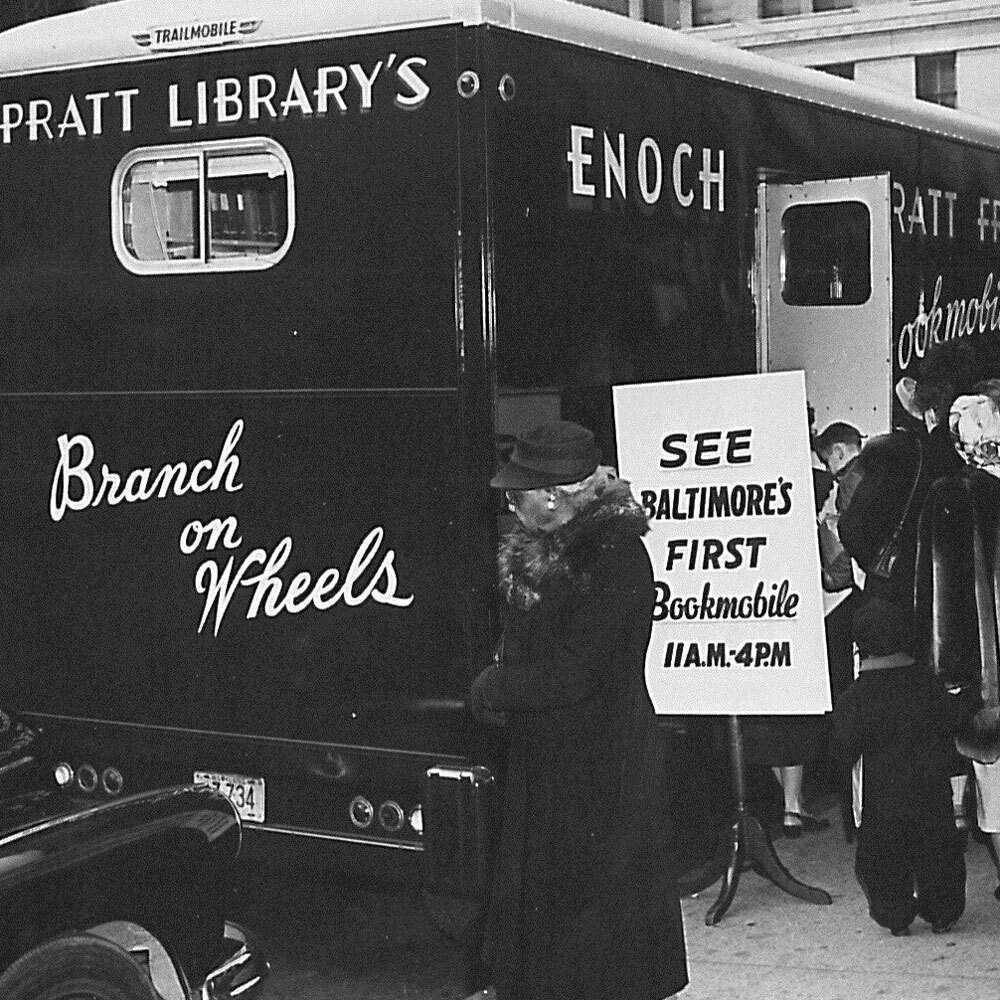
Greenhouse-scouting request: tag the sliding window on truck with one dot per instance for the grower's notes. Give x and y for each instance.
(226, 205)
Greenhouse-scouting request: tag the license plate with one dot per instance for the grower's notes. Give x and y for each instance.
(247, 794)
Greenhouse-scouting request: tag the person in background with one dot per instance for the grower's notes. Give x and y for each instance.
(838, 447)
(974, 425)
(584, 904)
(787, 743)
(892, 722)
(948, 370)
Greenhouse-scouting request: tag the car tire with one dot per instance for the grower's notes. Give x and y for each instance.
(76, 967)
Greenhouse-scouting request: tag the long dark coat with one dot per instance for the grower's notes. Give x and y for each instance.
(584, 904)
(889, 467)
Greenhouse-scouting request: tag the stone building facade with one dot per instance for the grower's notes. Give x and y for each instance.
(947, 51)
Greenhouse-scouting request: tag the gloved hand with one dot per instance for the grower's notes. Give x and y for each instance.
(478, 703)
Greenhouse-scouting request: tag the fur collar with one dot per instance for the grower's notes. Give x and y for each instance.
(531, 561)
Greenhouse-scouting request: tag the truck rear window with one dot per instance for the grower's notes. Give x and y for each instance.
(225, 205)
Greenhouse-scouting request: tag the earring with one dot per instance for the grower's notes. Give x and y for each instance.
(551, 502)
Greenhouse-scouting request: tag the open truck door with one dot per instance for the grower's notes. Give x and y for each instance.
(825, 294)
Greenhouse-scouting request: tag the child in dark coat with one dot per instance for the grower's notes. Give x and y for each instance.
(909, 858)
(896, 717)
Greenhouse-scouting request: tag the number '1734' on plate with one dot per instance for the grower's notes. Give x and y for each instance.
(247, 794)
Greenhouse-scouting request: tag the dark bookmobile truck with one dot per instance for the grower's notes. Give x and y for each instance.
(277, 279)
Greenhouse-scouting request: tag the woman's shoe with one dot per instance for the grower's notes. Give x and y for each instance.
(797, 823)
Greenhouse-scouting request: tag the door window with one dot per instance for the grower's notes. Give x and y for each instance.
(826, 254)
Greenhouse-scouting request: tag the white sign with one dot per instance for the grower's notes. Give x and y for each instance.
(722, 468)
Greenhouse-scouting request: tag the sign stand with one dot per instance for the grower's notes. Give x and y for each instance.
(750, 845)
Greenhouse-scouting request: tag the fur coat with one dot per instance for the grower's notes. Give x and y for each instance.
(584, 904)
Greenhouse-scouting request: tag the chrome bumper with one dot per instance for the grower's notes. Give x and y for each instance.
(241, 973)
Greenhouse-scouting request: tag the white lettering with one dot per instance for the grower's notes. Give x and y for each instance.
(365, 83)
(917, 213)
(175, 119)
(958, 318)
(935, 195)
(97, 105)
(228, 103)
(578, 160)
(39, 113)
(296, 97)
(642, 165)
(68, 472)
(126, 101)
(648, 148)
(217, 530)
(710, 177)
(324, 90)
(951, 197)
(410, 78)
(614, 165)
(899, 204)
(257, 100)
(271, 596)
(219, 587)
(73, 484)
(71, 119)
(201, 90)
(684, 198)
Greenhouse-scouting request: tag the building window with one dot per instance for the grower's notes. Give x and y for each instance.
(820, 5)
(780, 8)
(936, 80)
(710, 12)
(845, 70)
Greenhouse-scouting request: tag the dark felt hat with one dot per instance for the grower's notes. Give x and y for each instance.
(550, 454)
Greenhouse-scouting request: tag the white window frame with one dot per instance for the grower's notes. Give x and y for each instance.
(200, 151)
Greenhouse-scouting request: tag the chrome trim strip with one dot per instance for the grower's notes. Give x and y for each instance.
(426, 754)
(339, 837)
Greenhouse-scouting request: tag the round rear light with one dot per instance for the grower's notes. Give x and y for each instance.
(391, 816)
(112, 781)
(362, 812)
(63, 773)
(86, 778)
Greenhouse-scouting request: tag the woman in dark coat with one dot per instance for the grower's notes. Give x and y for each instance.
(584, 904)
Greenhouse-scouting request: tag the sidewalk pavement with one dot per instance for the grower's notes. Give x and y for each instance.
(772, 946)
